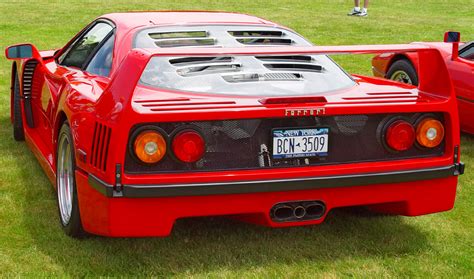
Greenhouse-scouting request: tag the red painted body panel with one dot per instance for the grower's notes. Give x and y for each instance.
(118, 102)
(460, 70)
(156, 216)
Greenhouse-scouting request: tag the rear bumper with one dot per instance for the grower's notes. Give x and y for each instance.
(407, 193)
(242, 187)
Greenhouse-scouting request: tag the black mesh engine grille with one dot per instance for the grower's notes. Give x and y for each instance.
(238, 144)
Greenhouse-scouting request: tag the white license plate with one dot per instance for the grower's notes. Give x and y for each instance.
(297, 143)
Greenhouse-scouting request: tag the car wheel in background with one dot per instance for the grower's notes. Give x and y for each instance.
(403, 71)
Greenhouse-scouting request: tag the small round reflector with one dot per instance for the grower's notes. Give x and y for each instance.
(150, 146)
(430, 132)
(400, 135)
(188, 146)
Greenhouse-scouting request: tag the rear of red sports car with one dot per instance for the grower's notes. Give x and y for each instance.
(254, 123)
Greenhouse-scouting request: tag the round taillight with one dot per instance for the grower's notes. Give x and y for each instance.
(400, 135)
(188, 146)
(150, 146)
(430, 132)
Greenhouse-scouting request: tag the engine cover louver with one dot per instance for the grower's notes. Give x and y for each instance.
(100, 146)
(261, 37)
(182, 39)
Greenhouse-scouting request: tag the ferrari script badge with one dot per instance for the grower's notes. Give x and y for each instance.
(305, 112)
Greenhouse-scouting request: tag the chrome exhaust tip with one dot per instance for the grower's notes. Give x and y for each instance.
(315, 209)
(297, 211)
(283, 212)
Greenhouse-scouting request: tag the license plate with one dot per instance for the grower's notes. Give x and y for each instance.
(297, 143)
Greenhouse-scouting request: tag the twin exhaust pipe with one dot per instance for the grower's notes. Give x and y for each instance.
(298, 211)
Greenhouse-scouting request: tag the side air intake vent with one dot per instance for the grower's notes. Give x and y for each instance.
(100, 146)
(263, 37)
(28, 74)
(182, 39)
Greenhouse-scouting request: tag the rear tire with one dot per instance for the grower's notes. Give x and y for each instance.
(18, 131)
(68, 205)
(403, 71)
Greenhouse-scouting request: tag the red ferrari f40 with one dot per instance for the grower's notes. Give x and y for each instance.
(145, 118)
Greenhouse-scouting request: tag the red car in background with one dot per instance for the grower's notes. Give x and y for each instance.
(404, 67)
(145, 118)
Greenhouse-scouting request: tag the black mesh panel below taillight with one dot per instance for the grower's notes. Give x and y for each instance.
(247, 143)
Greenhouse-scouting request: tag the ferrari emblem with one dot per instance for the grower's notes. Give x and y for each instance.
(305, 112)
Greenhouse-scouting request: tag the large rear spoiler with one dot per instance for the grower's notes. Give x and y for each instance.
(433, 75)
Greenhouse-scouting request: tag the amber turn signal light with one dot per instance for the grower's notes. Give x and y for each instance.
(150, 146)
(429, 133)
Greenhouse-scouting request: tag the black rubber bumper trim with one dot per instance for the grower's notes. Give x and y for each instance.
(242, 187)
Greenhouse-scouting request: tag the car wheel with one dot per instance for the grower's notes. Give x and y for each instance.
(18, 132)
(68, 205)
(403, 71)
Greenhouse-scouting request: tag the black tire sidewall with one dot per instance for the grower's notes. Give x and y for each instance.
(407, 67)
(18, 131)
(74, 227)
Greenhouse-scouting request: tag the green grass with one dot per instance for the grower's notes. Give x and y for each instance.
(348, 244)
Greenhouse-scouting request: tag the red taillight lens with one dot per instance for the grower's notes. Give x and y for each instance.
(400, 135)
(188, 146)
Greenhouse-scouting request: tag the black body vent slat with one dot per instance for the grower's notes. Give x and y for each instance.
(100, 146)
(186, 42)
(27, 85)
(257, 33)
(294, 66)
(178, 35)
(184, 61)
(261, 37)
(265, 41)
(28, 74)
(288, 58)
(182, 39)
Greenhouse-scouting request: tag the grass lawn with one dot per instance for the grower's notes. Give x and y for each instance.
(348, 244)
